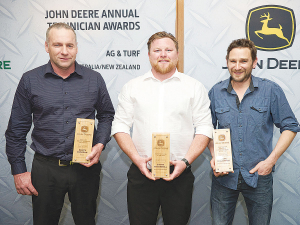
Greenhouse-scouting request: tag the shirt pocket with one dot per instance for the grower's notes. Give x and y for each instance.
(224, 117)
(258, 115)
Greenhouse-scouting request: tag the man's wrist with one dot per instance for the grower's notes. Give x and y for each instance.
(18, 168)
(271, 159)
(137, 159)
(99, 145)
(188, 165)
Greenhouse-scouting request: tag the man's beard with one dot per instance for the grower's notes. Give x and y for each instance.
(163, 70)
(246, 77)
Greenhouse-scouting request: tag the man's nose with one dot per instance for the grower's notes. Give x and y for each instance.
(64, 50)
(163, 54)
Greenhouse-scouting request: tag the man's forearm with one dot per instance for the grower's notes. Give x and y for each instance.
(198, 145)
(103, 132)
(265, 167)
(126, 144)
(15, 151)
(283, 143)
(211, 147)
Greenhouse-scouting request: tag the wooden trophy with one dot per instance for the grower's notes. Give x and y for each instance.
(222, 150)
(83, 141)
(161, 155)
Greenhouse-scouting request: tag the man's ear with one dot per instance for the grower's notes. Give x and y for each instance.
(255, 63)
(46, 47)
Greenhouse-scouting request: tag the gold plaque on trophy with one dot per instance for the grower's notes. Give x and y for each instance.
(83, 141)
(161, 155)
(222, 150)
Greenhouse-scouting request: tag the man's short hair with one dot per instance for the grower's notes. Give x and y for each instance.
(243, 43)
(160, 35)
(59, 26)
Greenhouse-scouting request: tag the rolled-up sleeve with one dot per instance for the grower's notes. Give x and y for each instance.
(282, 114)
(201, 112)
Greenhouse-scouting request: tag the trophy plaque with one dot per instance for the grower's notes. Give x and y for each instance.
(161, 155)
(222, 150)
(83, 140)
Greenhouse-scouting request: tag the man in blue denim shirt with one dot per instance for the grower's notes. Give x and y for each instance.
(249, 106)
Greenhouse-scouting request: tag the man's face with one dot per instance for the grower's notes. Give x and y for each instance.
(163, 55)
(62, 48)
(240, 64)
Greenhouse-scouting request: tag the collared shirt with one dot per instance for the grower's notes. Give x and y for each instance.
(53, 104)
(251, 124)
(178, 105)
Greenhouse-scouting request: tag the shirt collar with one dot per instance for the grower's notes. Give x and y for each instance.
(49, 69)
(175, 75)
(253, 84)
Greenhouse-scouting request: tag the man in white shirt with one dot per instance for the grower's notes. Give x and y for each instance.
(162, 100)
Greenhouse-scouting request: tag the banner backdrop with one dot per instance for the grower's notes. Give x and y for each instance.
(112, 38)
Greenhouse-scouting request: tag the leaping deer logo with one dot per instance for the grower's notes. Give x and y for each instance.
(270, 31)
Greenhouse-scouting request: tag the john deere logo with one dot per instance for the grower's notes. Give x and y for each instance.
(84, 129)
(271, 27)
(160, 142)
(221, 137)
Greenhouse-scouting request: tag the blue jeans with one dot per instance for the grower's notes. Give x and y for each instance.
(258, 201)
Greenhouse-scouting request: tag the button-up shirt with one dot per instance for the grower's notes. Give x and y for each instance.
(251, 124)
(178, 105)
(53, 104)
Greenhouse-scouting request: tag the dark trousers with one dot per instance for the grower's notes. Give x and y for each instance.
(52, 183)
(144, 197)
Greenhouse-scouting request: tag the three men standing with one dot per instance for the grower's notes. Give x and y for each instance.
(162, 100)
(53, 96)
(249, 106)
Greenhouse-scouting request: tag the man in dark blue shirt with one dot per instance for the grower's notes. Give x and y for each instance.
(249, 106)
(51, 97)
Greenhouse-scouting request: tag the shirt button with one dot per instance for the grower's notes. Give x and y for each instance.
(240, 153)
(240, 139)
(67, 122)
(67, 137)
(66, 93)
(240, 125)
(242, 168)
(240, 111)
(67, 107)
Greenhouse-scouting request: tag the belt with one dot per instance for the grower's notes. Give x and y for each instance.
(53, 159)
